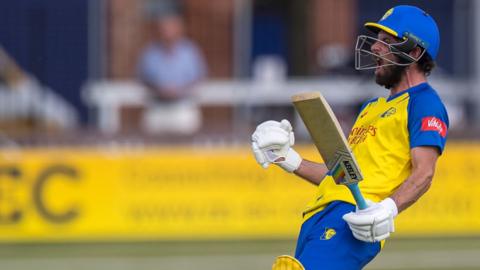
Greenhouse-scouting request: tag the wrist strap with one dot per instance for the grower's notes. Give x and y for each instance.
(390, 204)
(292, 161)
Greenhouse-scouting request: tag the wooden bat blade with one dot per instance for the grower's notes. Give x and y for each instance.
(327, 136)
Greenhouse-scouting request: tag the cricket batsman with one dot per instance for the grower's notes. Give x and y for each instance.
(396, 139)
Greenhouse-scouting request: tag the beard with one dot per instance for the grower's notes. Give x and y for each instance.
(391, 76)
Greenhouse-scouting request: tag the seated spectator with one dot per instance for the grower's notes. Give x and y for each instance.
(170, 67)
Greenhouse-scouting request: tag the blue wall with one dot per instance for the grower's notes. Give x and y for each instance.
(48, 38)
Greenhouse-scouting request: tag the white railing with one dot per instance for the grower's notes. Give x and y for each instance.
(107, 97)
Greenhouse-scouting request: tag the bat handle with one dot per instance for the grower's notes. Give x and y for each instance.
(357, 195)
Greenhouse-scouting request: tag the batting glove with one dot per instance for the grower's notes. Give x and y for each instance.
(375, 223)
(271, 143)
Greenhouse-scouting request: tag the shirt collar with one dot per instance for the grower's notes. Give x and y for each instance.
(409, 90)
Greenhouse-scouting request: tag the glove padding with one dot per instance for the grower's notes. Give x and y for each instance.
(375, 223)
(271, 143)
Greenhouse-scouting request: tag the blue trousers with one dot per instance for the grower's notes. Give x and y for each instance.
(327, 243)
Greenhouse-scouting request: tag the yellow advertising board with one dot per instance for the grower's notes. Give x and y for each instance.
(82, 194)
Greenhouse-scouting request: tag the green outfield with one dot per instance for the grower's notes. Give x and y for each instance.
(425, 254)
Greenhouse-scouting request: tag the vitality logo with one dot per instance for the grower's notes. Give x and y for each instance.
(434, 124)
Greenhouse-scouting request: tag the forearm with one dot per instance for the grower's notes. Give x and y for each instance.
(311, 171)
(164, 93)
(412, 189)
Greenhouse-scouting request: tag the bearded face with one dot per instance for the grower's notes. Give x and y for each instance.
(377, 53)
(388, 76)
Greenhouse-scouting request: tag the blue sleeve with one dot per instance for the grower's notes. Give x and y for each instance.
(427, 121)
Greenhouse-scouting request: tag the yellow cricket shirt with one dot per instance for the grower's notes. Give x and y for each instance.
(381, 139)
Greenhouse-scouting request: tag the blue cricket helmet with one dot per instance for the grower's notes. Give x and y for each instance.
(410, 23)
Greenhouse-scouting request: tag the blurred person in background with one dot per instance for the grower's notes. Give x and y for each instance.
(170, 67)
(10, 72)
(396, 140)
(27, 106)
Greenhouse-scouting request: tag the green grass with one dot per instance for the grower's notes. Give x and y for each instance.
(146, 249)
(429, 253)
(398, 254)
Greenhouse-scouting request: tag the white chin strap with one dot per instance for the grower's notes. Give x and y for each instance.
(366, 59)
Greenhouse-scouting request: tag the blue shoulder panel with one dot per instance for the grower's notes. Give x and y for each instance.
(427, 118)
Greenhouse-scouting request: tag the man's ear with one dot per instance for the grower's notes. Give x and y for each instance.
(416, 52)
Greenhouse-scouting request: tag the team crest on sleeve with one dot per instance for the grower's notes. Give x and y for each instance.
(432, 123)
(328, 234)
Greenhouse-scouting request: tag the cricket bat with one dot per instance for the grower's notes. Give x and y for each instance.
(332, 145)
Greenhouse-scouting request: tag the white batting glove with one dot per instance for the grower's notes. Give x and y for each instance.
(271, 143)
(374, 223)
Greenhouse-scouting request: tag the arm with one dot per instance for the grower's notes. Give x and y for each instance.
(162, 93)
(419, 181)
(311, 171)
(427, 127)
